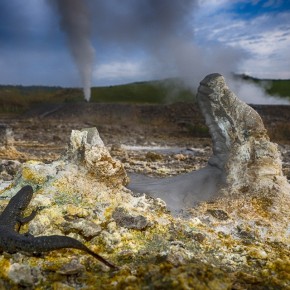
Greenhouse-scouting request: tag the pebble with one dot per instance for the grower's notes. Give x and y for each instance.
(219, 214)
(258, 254)
(21, 274)
(71, 268)
(124, 219)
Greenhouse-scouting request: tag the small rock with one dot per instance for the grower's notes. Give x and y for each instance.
(179, 157)
(177, 256)
(21, 274)
(71, 268)
(153, 156)
(199, 237)
(124, 219)
(127, 254)
(178, 244)
(258, 254)
(41, 201)
(5, 176)
(6, 135)
(85, 228)
(196, 221)
(73, 210)
(245, 235)
(10, 166)
(219, 214)
(131, 279)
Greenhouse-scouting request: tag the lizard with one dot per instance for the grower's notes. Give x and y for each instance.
(11, 241)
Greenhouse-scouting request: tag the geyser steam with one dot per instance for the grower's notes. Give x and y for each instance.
(75, 22)
(161, 31)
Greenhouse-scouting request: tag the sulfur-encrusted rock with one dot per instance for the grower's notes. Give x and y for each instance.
(87, 149)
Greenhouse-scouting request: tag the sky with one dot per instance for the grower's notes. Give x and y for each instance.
(107, 42)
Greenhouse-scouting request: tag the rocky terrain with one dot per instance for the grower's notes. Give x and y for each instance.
(80, 190)
(145, 137)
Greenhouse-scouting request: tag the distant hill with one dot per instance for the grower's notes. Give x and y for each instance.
(272, 87)
(158, 92)
(16, 99)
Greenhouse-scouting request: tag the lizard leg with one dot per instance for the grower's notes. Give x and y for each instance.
(27, 219)
(24, 220)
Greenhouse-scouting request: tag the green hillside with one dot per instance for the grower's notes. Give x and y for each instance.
(19, 98)
(272, 87)
(16, 99)
(158, 92)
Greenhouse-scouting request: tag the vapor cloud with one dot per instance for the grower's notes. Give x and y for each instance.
(139, 40)
(75, 22)
(163, 32)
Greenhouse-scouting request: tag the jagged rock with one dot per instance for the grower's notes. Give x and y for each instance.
(241, 146)
(244, 161)
(78, 178)
(8, 169)
(6, 136)
(124, 219)
(87, 149)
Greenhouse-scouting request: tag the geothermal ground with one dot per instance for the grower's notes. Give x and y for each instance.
(154, 139)
(237, 242)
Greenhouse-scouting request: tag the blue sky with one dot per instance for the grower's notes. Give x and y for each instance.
(199, 37)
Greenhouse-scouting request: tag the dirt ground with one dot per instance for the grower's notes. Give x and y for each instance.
(154, 139)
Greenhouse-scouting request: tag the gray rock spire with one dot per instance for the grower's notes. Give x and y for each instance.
(243, 160)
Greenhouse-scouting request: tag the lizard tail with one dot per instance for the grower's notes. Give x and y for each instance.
(55, 242)
(100, 258)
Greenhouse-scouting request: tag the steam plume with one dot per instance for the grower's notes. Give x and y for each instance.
(163, 31)
(160, 30)
(75, 22)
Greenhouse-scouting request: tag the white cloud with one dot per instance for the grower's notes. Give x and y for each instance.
(265, 38)
(211, 5)
(119, 72)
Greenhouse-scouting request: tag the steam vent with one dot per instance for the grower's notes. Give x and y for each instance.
(224, 226)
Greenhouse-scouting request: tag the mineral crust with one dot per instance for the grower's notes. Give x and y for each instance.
(239, 240)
